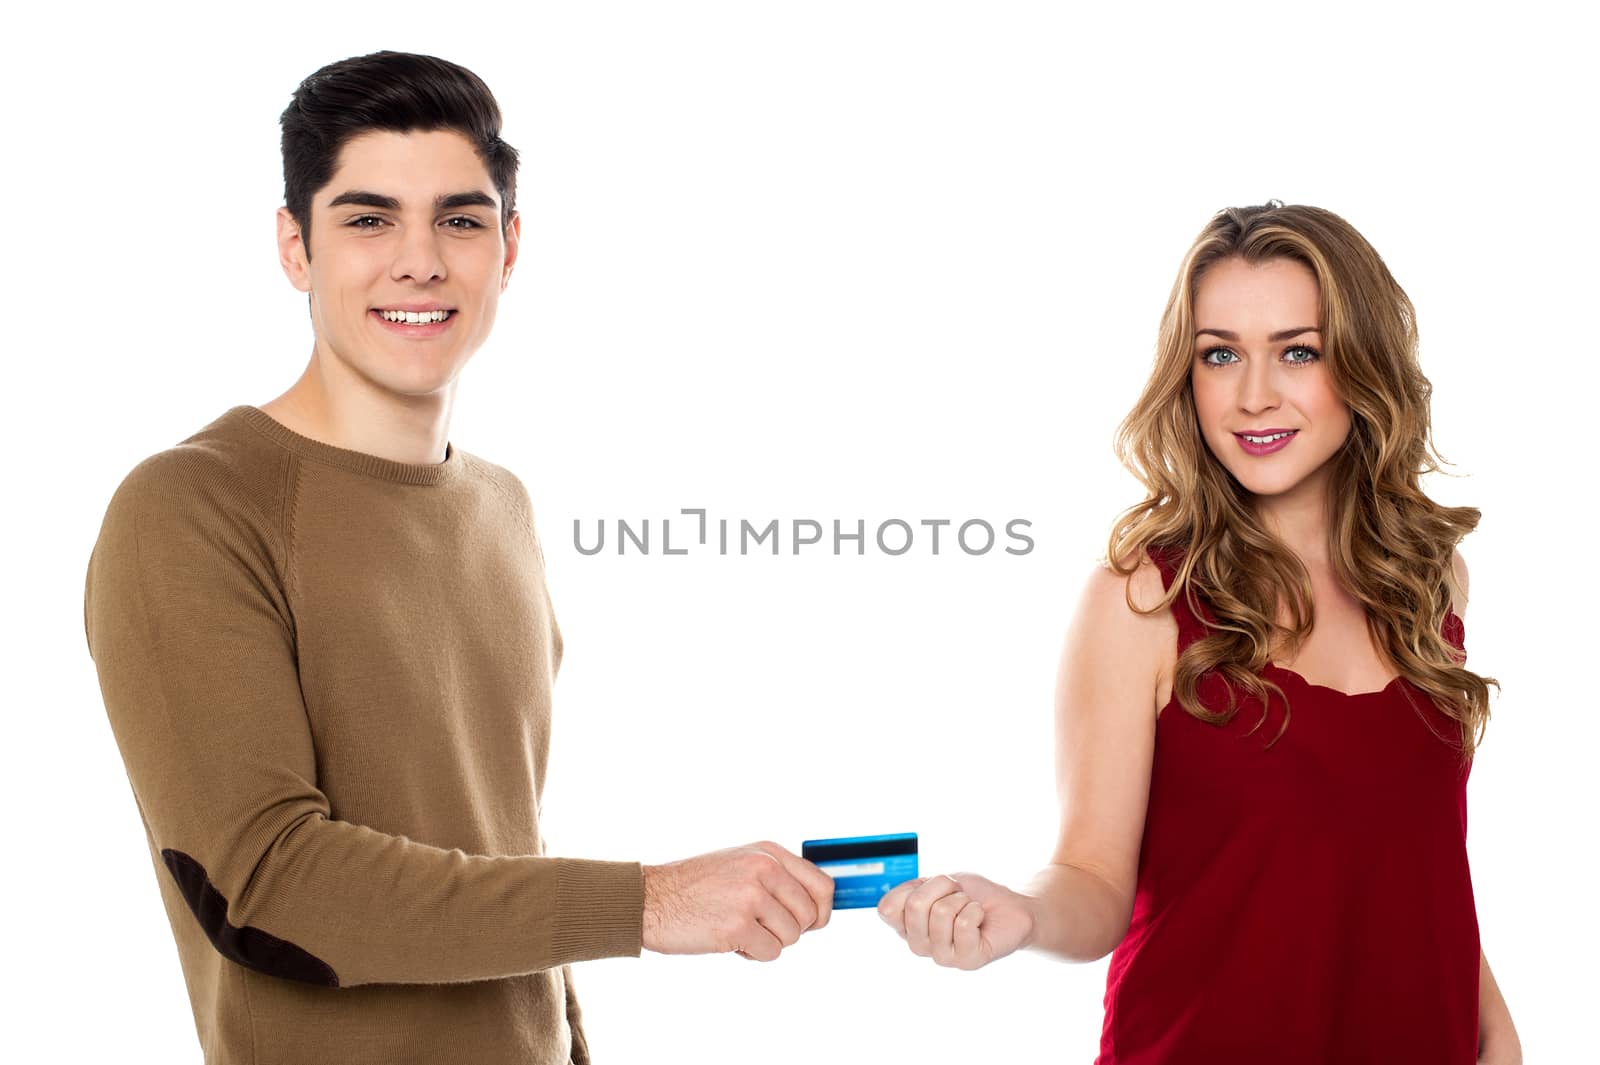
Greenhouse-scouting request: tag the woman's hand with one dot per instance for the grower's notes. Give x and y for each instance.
(962, 921)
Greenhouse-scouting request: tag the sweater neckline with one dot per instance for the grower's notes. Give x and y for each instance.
(424, 473)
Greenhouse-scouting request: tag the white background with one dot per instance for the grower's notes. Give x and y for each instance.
(826, 260)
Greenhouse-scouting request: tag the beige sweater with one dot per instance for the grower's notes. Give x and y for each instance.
(329, 675)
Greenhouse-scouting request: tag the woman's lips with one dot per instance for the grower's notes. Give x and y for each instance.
(1265, 449)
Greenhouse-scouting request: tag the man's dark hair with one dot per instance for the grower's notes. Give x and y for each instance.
(396, 91)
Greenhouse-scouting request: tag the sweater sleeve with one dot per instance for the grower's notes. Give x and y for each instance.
(193, 641)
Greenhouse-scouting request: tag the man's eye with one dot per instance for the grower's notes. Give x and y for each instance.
(471, 223)
(356, 223)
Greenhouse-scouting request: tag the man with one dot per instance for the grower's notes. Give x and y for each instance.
(327, 651)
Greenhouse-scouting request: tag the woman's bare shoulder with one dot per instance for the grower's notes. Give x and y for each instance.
(1458, 597)
(1144, 587)
(1113, 630)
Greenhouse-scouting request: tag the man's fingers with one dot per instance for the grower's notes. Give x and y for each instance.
(817, 884)
(776, 917)
(820, 885)
(758, 944)
(794, 897)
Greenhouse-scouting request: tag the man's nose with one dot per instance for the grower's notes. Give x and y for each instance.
(418, 256)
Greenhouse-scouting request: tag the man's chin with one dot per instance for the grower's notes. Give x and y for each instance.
(417, 382)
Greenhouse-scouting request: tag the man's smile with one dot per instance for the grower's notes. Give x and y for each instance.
(414, 317)
(414, 321)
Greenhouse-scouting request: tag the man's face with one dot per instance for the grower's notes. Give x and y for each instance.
(409, 222)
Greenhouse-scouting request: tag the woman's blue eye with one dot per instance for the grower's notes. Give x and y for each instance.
(1312, 353)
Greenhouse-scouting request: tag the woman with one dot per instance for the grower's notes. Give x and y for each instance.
(1264, 722)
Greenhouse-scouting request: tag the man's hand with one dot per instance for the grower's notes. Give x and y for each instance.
(963, 921)
(752, 900)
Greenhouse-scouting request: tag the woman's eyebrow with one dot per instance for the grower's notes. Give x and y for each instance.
(1283, 334)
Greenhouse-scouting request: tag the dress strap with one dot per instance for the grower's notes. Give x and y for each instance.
(1454, 631)
(1190, 626)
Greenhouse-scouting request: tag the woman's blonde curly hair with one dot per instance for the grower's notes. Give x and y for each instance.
(1390, 545)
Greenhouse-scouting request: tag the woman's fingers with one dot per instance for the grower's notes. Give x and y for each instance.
(893, 905)
(963, 921)
(968, 936)
(942, 927)
(918, 912)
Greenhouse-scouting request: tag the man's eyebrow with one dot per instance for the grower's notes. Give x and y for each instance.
(1283, 334)
(362, 198)
(465, 199)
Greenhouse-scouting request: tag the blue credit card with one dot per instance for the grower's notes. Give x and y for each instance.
(863, 868)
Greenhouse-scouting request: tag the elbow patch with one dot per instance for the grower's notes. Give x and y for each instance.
(250, 947)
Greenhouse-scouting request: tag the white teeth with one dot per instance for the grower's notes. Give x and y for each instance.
(415, 317)
(1263, 439)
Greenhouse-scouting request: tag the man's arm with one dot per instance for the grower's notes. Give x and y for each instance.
(186, 619)
(188, 624)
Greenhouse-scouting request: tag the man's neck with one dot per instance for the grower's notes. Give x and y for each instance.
(361, 417)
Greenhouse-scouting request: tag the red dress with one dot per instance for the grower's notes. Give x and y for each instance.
(1310, 904)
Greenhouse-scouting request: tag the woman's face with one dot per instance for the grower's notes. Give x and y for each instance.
(1258, 372)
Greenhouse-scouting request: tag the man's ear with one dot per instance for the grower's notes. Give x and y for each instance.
(292, 251)
(513, 240)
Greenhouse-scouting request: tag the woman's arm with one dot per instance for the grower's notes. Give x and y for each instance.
(1078, 907)
(1106, 687)
(1497, 1036)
